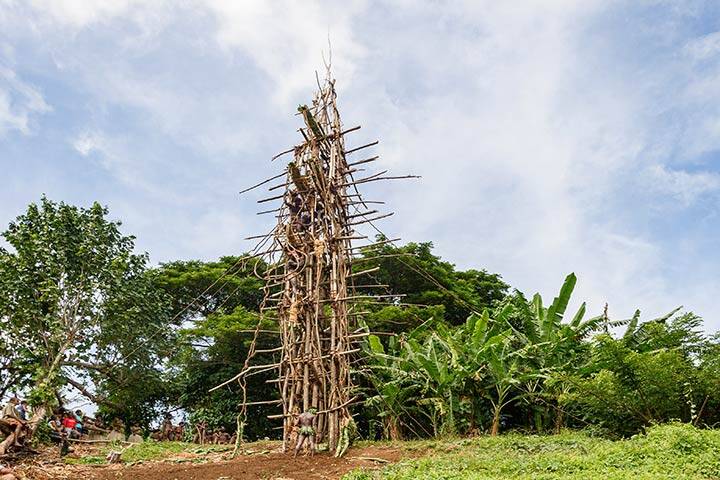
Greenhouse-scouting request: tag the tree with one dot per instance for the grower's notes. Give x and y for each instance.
(490, 359)
(647, 375)
(14, 367)
(199, 289)
(423, 278)
(392, 389)
(78, 307)
(214, 349)
(218, 303)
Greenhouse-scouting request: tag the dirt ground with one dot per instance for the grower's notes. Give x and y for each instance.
(265, 466)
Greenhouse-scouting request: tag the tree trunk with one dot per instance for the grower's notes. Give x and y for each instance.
(559, 420)
(7, 443)
(496, 422)
(702, 409)
(473, 423)
(538, 419)
(35, 420)
(393, 430)
(449, 424)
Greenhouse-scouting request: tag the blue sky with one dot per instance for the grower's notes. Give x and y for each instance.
(552, 136)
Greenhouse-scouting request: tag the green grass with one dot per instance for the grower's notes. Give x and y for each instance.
(673, 451)
(147, 451)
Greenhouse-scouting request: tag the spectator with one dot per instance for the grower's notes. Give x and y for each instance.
(11, 417)
(70, 423)
(22, 410)
(80, 419)
(57, 431)
(58, 434)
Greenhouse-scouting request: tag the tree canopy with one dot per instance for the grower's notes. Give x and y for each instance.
(79, 309)
(446, 351)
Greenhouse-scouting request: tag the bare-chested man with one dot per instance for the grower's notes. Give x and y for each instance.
(180, 432)
(221, 437)
(167, 431)
(306, 422)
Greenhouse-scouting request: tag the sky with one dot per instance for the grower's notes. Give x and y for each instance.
(552, 136)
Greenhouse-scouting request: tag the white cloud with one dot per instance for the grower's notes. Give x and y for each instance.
(116, 155)
(286, 38)
(685, 187)
(705, 47)
(527, 120)
(108, 153)
(19, 102)
(86, 143)
(527, 150)
(81, 13)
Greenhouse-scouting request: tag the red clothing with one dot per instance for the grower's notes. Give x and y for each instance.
(69, 423)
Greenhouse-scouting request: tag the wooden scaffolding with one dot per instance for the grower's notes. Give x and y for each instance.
(310, 285)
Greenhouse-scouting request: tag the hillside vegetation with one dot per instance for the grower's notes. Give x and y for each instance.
(672, 451)
(443, 352)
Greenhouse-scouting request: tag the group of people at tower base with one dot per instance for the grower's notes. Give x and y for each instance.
(67, 425)
(62, 425)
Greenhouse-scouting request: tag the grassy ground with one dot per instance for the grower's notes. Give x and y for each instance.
(674, 451)
(147, 451)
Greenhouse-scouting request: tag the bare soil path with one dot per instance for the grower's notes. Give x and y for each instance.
(260, 466)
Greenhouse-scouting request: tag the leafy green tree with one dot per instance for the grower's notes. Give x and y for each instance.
(214, 349)
(218, 304)
(423, 278)
(199, 289)
(488, 289)
(77, 306)
(15, 369)
(646, 376)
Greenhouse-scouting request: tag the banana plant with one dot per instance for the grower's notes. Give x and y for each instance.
(425, 374)
(552, 344)
(554, 341)
(442, 373)
(491, 359)
(507, 375)
(394, 387)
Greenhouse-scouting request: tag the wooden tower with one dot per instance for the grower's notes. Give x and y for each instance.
(310, 285)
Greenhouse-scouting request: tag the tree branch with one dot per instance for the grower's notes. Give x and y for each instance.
(91, 396)
(87, 365)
